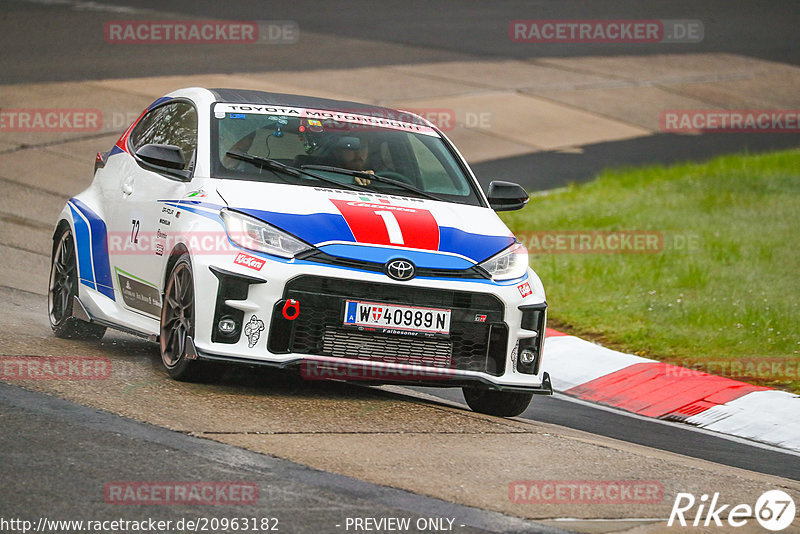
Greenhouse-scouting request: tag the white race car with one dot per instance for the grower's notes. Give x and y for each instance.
(349, 240)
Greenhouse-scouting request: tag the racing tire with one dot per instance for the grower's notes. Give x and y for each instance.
(177, 323)
(62, 290)
(498, 403)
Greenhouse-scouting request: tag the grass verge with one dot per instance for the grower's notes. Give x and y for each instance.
(713, 280)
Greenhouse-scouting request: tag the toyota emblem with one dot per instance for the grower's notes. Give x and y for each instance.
(400, 269)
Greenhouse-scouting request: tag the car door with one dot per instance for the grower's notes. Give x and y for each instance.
(141, 223)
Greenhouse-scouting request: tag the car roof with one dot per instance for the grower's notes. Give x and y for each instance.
(245, 96)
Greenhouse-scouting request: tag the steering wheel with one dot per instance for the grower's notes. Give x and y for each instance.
(396, 176)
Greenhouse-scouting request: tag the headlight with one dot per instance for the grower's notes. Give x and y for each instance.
(508, 264)
(250, 233)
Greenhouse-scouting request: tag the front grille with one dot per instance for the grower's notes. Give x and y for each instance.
(342, 343)
(318, 330)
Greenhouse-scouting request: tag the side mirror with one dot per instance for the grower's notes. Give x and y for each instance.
(506, 196)
(168, 156)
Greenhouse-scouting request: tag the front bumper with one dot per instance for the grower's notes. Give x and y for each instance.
(488, 324)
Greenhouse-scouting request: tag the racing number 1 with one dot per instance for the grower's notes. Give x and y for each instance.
(392, 227)
(382, 224)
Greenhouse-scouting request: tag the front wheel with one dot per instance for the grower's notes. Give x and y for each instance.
(498, 403)
(62, 290)
(177, 322)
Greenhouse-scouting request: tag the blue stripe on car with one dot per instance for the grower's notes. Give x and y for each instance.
(83, 242)
(427, 260)
(479, 247)
(312, 228)
(324, 227)
(99, 246)
(159, 101)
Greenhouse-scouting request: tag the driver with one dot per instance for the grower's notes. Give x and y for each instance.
(354, 159)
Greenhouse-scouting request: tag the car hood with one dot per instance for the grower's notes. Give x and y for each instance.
(374, 227)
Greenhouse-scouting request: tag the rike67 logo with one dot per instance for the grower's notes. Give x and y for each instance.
(774, 510)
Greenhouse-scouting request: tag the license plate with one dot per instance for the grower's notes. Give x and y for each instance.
(388, 317)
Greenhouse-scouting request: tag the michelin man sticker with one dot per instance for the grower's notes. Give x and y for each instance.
(253, 330)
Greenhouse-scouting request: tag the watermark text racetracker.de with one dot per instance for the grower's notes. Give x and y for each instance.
(730, 121)
(149, 243)
(201, 32)
(586, 492)
(54, 368)
(631, 31)
(181, 493)
(50, 120)
(608, 241)
(146, 525)
(332, 370)
(767, 369)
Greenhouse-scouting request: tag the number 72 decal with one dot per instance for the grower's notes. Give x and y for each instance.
(384, 224)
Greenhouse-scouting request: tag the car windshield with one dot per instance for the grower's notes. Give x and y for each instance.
(336, 149)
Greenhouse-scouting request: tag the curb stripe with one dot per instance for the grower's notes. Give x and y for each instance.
(660, 389)
(655, 389)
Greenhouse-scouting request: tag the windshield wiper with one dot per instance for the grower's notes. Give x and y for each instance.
(277, 166)
(376, 177)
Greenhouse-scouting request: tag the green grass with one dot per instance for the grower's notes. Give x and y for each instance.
(729, 302)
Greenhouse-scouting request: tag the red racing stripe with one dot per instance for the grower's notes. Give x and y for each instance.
(662, 390)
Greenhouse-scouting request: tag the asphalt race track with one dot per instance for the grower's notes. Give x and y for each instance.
(323, 453)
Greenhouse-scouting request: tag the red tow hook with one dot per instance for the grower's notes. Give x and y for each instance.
(291, 304)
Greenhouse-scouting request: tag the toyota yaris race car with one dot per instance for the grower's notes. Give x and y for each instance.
(350, 241)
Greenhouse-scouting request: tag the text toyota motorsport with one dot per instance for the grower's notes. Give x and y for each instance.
(349, 240)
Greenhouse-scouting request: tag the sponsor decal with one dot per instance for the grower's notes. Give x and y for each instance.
(253, 330)
(524, 289)
(514, 353)
(249, 261)
(200, 193)
(381, 119)
(138, 294)
(164, 222)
